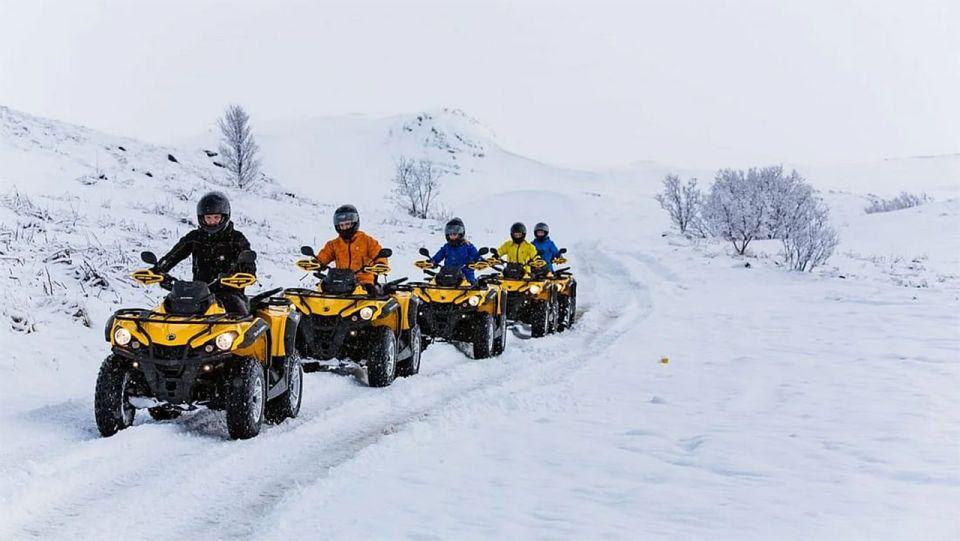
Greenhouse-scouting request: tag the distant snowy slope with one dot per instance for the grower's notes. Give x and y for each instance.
(353, 157)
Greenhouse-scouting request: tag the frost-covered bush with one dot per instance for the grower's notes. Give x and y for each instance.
(764, 203)
(808, 240)
(903, 201)
(736, 207)
(683, 202)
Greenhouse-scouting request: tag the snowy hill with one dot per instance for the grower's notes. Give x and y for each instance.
(331, 156)
(793, 406)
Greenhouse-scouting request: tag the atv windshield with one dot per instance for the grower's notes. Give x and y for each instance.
(188, 298)
(513, 271)
(339, 282)
(450, 276)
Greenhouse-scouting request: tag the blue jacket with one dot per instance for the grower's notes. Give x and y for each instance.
(459, 255)
(547, 251)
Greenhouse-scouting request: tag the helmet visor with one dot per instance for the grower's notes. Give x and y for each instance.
(454, 229)
(348, 217)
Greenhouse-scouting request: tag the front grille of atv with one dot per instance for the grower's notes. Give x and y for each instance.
(170, 371)
(169, 353)
(440, 319)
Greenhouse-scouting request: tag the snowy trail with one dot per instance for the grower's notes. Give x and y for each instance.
(88, 487)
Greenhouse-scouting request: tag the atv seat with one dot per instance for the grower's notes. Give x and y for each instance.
(188, 298)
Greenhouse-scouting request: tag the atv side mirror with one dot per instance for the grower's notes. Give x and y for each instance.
(148, 257)
(306, 250)
(563, 250)
(384, 252)
(247, 256)
(494, 252)
(483, 251)
(424, 252)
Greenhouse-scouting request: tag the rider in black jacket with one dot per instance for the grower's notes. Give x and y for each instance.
(215, 246)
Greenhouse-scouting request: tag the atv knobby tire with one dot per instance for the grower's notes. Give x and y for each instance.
(246, 399)
(111, 404)
(553, 312)
(484, 333)
(411, 366)
(500, 342)
(571, 311)
(540, 322)
(287, 405)
(382, 362)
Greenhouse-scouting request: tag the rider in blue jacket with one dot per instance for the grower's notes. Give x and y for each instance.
(457, 251)
(546, 249)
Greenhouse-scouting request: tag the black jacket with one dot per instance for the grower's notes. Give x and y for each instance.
(212, 255)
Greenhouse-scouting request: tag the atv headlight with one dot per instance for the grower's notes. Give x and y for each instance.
(366, 312)
(121, 336)
(474, 300)
(534, 289)
(225, 340)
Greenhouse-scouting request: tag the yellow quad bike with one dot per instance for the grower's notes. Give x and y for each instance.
(342, 321)
(532, 297)
(565, 285)
(188, 352)
(452, 309)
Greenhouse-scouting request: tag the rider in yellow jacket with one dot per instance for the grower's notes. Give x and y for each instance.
(517, 249)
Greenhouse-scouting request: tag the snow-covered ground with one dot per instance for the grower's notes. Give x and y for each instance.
(793, 406)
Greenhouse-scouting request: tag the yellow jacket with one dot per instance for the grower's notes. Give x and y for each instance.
(522, 253)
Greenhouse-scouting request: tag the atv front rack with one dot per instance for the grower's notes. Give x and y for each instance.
(304, 292)
(409, 286)
(149, 316)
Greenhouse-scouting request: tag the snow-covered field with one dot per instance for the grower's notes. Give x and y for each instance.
(822, 405)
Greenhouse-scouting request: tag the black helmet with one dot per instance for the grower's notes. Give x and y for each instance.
(213, 203)
(541, 227)
(518, 228)
(454, 226)
(346, 213)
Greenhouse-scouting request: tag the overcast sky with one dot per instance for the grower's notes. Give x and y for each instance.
(682, 82)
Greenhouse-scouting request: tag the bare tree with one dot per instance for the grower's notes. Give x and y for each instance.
(682, 202)
(735, 209)
(808, 240)
(237, 145)
(416, 184)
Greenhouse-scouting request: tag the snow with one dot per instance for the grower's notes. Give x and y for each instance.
(793, 405)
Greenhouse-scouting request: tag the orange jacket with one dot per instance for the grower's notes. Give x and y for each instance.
(359, 252)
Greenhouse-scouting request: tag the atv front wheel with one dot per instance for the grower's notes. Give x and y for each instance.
(553, 312)
(382, 363)
(483, 337)
(500, 343)
(288, 404)
(540, 324)
(111, 404)
(246, 399)
(564, 303)
(411, 366)
(572, 309)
